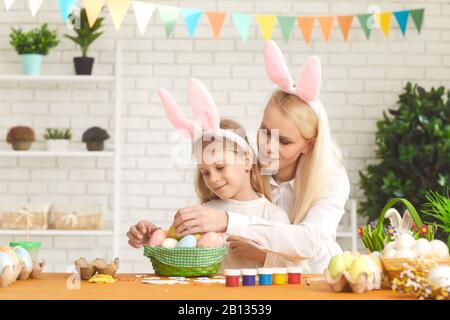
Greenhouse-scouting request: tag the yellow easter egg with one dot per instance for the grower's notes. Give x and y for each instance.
(171, 233)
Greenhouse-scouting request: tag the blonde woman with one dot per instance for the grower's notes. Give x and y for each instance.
(310, 183)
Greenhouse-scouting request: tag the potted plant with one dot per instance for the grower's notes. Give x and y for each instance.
(20, 137)
(32, 46)
(94, 138)
(58, 139)
(85, 37)
(438, 207)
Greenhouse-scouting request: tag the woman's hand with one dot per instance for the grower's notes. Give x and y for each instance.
(140, 234)
(245, 250)
(199, 219)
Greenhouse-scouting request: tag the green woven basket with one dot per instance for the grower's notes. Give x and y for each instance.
(185, 262)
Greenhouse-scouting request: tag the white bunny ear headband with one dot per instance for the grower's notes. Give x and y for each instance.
(306, 87)
(206, 121)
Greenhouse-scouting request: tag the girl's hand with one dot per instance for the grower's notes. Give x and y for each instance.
(245, 250)
(199, 219)
(139, 234)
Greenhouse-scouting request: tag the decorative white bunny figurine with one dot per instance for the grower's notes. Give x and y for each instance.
(402, 225)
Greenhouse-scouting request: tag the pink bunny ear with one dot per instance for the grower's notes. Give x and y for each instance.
(308, 80)
(276, 67)
(174, 114)
(203, 106)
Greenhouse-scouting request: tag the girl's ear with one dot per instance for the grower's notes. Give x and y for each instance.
(276, 67)
(309, 79)
(309, 145)
(204, 108)
(248, 161)
(174, 114)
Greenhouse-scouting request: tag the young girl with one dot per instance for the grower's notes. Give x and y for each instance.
(228, 177)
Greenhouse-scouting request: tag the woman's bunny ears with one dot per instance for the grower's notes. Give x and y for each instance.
(307, 86)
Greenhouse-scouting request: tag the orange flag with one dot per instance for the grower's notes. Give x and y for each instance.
(345, 22)
(326, 25)
(306, 25)
(216, 20)
(93, 8)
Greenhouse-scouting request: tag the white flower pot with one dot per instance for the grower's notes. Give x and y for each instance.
(58, 145)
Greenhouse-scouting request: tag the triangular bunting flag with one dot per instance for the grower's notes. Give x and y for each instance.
(345, 22)
(65, 7)
(366, 23)
(417, 16)
(34, 6)
(402, 19)
(286, 23)
(93, 9)
(191, 18)
(118, 9)
(384, 19)
(242, 22)
(306, 25)
(8, 4)
(216, 20)
(169, 16)
(326, 25)
(143, 12)
(266, 24)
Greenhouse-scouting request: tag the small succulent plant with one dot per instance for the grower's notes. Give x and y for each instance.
(58, 134)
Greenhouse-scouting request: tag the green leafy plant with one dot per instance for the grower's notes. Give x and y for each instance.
(37, 41)
(20, 133)
(438, 207)
(85, 34)
(413, 151)
(95, 134)
(58, 134)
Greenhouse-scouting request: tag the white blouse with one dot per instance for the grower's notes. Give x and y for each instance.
(311, 243)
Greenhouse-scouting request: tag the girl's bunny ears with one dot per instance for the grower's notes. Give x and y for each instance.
(204, 111)
(307, 86)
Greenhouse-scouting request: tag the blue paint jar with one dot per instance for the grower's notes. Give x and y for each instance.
(265, 276)
(248, 277)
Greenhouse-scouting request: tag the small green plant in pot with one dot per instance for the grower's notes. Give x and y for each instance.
(58, 139)
(85, 36)
(94, 138)
(21, 137)
(32, 46)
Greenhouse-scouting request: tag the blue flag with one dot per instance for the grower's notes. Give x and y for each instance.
(191, 18)
(64, 7)
(402, 19)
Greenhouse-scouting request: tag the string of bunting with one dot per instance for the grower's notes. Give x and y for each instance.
(169, 15)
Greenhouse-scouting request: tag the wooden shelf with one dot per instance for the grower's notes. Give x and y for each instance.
(56, 78)
(52, 232)
(56, 154)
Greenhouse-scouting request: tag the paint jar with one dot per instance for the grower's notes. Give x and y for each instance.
(294, 275)
(232, 277)
(265, 276)
(279, 275)
(248, 277)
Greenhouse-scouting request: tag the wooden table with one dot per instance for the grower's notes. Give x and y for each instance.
(54, 286)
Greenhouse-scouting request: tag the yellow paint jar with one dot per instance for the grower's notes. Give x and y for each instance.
(279, 275)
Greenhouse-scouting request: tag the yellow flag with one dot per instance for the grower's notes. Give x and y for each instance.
(384, 19)
(118, 9)
(93, 8)
(266, 24)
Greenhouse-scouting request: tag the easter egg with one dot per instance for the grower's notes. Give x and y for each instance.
(390, 253)
(388, 247)
(422, 248)
(439, 249)
(440, 276)
(348, 258)
(24, 256)
(210, 240)
(359, 266)
(405, 241)
(405, 254)
(188, 241)
(9, 251)
(171, 233)
(169, 243)
(337, 265)
(5, 261)
(158, 237)
(197, 236)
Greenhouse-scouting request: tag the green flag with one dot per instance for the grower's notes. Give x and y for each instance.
(417, 16)
(366, 22)
(169, 16)
(286, 23)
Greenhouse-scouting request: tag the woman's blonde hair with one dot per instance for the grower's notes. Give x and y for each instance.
(314, 166)
(260, 183)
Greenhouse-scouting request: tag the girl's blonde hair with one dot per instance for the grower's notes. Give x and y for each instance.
(260, 183)
(314, 166)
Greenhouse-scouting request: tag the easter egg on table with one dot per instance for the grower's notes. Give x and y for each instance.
(169, 243)
(5, 261)
(171, 233)
(348, 257)
(24, 256)
(405, 241)
(337, 265)
(439, 249)
(390, 253)
(9, 251)
(405, 254)
(422, 248)
(389, 246)
(440, 276)
(359, 266)
(158, 237)
(188, 241)
(210, 240)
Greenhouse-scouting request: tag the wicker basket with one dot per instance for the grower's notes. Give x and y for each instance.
(185, 262)
(394, 266)
(78, 217)
(15, 216)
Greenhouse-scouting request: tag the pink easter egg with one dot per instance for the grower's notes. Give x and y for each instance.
(158, 237)
(211, 240)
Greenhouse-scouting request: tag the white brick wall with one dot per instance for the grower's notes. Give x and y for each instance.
(361, 79)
